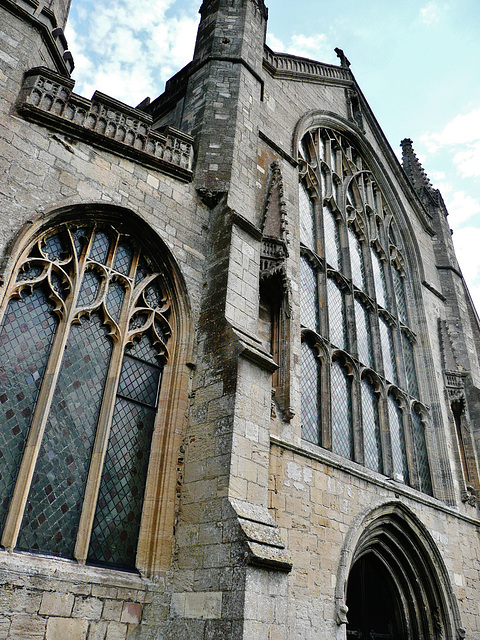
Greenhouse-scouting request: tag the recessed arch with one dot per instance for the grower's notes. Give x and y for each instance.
(391, 545)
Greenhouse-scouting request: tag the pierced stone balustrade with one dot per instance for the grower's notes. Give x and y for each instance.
(47, 97)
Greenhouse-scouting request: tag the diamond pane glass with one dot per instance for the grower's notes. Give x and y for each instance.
(336, 314)
(142, 270)
(397, 437)
(54, 503)
(115, 295)
(410, 366)
(356, 259)
(307, 218)
(364, 334)
(371, 428)
(123, 258)
(53, 247)
(399, 287)
(423, 466)
(26, 336)
(310, 395)
(379, 278)
(80, 239)
(332, 239)
(100, 246)
(89, 289)
(388, 351)
(308, 295)
(342, 438)
(119, 508)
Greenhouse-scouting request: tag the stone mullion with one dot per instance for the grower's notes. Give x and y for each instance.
(39, 420)
(102, 434)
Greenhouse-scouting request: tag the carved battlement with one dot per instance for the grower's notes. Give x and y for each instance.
(47, 97)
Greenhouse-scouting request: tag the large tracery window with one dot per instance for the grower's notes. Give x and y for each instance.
(83, 344)
(354, 306)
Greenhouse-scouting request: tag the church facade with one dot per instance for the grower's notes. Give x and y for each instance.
(239, 364)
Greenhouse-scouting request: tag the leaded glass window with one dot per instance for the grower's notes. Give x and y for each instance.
(423, 466)
(332, 239)
(309, 295)
(336, 314)
(84, 306)
(342, 437)
(307, 217)
(410, 366)
(362, 312)
(356, 259)
(371, 428)
(379, 278)
(397, 436)
(399, 288)
(311, 404)
(364, 334)
(388, 351)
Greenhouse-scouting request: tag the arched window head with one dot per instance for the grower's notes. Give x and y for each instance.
(83, 343)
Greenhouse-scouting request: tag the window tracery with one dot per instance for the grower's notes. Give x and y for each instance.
(86, 320)
(354, 300)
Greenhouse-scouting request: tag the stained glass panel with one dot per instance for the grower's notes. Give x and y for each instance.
(26, 337)
(336, 315)
(54, 503)
(308, 295)
(364, 334)
(119, 508)
(332, 239)
(342, 437)
(371, 428)
(311, 405)
(423, 466)
(410, 366)
(356, 259)
(388, 351)
(397, 437)
(307, 218)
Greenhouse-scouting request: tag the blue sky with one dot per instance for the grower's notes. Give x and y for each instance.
(416, 61)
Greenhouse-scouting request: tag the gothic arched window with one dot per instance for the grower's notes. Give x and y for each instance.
(83, 344)
(355, 303)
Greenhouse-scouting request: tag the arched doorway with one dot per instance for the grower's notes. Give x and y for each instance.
(392, 582)
(374, 604)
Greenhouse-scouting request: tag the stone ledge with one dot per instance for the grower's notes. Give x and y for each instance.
(264, 543)
(46, 97)
(284, 65)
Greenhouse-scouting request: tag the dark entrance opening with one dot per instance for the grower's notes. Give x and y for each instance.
(373, 601)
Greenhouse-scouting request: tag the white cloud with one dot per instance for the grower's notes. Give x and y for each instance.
(430, 14)
(315, 47)
(461, 138)
(467, 241)
(275, 43)
(462, 207)
(128, 50)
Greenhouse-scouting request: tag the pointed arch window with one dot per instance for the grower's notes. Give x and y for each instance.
(83, 340)
(353, 284)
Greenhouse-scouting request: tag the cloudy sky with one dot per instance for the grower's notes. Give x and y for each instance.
(416, 61)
